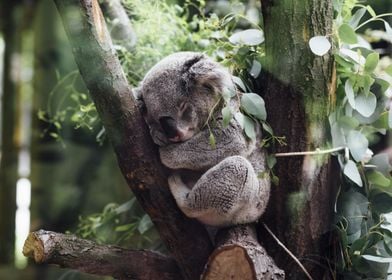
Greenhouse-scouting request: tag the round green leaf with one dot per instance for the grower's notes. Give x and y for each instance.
(347, 34)
(358, 144)
(351, 171)
(319, 45)
(250, 37)
(254, 105)
(366, 105)
(371, 62)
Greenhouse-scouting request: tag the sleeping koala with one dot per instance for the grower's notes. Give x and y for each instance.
(217, 185)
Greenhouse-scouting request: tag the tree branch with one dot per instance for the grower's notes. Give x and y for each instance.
(137, 156)
(238, 255)
(87, 256)
(121, 27)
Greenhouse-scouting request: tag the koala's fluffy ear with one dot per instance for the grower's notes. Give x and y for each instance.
(202, 74)
(137, 93)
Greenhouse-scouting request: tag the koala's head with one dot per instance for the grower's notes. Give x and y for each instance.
(179, 93)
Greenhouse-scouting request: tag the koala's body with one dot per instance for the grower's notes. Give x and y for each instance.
(218, 185)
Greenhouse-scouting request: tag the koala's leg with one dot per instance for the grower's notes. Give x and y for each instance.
(228, 193)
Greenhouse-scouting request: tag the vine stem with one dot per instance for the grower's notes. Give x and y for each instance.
(315, 152)
(288, 251)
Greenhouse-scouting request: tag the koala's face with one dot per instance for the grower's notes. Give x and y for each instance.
(178, 95)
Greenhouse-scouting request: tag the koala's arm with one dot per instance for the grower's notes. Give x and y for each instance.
(198, 154)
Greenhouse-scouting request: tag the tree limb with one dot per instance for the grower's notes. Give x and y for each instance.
(238, 255)
(87, 256)
(137, 156)
(121, 26)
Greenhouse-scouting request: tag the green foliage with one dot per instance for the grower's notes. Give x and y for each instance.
(364, 203)
(124, 224)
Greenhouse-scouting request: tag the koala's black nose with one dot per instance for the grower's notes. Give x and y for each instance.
(169, 126)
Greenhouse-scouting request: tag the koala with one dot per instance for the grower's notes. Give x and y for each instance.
(219, 186)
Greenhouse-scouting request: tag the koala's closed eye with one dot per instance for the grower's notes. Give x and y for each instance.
(186, 112)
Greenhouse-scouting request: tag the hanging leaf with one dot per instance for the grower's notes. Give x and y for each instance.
(353, 56)
(256, 69)
(366, 105)
(348, 89)
(144, 224)
(249, 127)
(250, 37)
(254, 105)
(351, 171)
(319, 45)
(377, 259)
(239, 83)
(356, 18)
(377, 178)
(227, 116)
(358, 144)
(347, 34)
(381, 161)
(212, 140)
(388, 29)
(371, 62)
(240, 118)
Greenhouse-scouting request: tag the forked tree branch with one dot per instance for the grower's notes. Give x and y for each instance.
(87, 256)
(137, 156)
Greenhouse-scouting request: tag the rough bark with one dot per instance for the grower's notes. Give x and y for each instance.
(299, 96)
(119, 22)
(87, 256)
(238, 255)
(137, 156)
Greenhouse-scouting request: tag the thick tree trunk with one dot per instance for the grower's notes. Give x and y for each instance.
(238, 255)
(138, 158)
(87, 256)
(299, 96)
(12, 30)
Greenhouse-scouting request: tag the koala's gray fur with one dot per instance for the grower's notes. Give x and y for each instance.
(219, 185)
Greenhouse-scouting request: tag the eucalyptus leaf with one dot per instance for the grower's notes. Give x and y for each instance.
(388, 70)
(212, 140)
(254, 105)
(353, 56)
(240, 118)
(347, 34)
(358, 144)
(256, 69)
(390, 117)
(351, 171)
(388, 29)
(366, 105)
(348, 89)
(377, 178)
(249, 127)
(353, 206)
(239, 83)
(377, 259)
(250, 37)
(381, 161)
(319, 45)
(356, 18)
(144, 224)
(371, 62)
(227, 116)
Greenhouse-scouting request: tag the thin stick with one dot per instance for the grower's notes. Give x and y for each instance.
(306, 153)
(288, 252)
